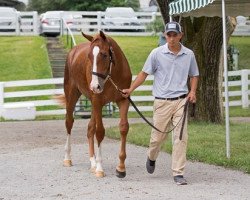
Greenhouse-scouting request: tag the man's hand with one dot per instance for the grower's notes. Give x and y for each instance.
(192, 97)
(126, 93)
(138, 81)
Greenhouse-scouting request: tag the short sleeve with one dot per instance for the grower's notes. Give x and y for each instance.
(193, 70)
(150, 64)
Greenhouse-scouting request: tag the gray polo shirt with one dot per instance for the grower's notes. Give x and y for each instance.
(170, 71)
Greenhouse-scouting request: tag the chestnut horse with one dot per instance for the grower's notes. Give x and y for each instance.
(87, 70)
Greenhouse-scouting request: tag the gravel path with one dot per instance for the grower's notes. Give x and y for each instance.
(31, 155)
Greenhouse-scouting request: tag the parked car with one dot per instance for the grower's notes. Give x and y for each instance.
(9, 17)
(115, 17)
(51, 22)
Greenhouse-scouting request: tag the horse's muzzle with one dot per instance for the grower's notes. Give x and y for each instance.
(96, 88)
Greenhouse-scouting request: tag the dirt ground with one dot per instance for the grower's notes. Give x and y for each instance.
(31, 155)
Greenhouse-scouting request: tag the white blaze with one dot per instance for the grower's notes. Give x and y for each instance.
(94, 82)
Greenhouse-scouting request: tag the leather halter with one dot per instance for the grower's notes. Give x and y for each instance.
(108, 74)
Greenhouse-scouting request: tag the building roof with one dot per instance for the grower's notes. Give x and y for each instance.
(10, 3)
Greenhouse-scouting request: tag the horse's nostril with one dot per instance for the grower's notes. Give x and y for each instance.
(98, 87)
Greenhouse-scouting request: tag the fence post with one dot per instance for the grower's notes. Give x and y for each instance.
(61, 27)
(35, 23)
(18, 24)
(99, 18)
(244, 88)
(1, 97)
(153, 17)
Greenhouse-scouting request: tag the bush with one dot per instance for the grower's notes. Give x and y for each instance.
(156, 26)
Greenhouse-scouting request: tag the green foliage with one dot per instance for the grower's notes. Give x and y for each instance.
(156, 26)
(78, 5)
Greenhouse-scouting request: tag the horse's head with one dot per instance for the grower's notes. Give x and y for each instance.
(101, 58)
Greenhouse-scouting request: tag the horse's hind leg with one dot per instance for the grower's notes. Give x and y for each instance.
(72, 95)
(124, 127)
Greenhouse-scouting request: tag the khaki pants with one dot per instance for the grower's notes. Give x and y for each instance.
(166, 115)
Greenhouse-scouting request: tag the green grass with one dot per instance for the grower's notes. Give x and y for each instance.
(23, 58)
(136, 49)
(206, 143)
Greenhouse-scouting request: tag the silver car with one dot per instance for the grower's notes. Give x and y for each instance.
(120, 18)
(51, 22)
(9, 19)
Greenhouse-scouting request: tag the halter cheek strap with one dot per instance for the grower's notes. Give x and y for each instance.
(107, 75)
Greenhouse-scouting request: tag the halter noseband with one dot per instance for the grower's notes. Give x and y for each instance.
(108, 74)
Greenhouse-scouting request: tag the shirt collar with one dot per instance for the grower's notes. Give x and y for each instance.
(166, 49)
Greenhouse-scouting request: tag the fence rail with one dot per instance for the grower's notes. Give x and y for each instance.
(10, 94)
(92, 21)
(88, 21)
(27, 23)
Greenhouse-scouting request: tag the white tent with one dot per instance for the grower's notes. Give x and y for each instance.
(211, 8)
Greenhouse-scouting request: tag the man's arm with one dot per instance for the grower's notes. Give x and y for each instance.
(193, 88)
(136, 83)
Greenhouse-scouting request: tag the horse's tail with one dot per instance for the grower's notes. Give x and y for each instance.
(60, 99)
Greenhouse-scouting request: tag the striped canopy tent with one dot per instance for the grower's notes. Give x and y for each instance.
(209, 8)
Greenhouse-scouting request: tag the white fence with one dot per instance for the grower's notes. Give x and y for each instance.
(243, 26)
(25, 24)
(8, 98)
(87, 21)
(90, 22)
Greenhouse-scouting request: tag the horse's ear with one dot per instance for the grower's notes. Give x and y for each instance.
(88, 37)
(102, 35)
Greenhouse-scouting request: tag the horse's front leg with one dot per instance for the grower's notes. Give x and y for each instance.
(100, 132)
(90, 135)
(124, 127)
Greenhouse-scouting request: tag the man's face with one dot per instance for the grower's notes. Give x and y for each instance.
(173, 38)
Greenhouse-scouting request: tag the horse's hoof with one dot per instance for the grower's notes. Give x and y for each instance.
(67, 163)
(99, 174)
(120, 174)
(92, 169)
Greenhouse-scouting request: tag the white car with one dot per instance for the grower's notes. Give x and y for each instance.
(9, 19)
(116, 18)
(51, 22)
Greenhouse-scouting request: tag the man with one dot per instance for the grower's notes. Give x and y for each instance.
(172, 65)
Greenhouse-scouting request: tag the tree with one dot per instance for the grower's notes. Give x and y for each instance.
(204, 36)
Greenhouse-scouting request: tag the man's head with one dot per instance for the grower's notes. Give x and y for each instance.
(173, 34)
(173, 27)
